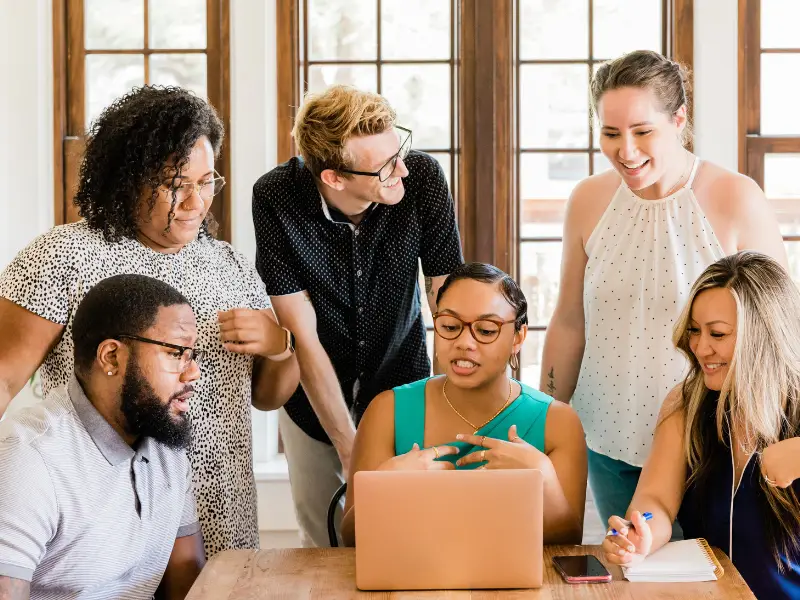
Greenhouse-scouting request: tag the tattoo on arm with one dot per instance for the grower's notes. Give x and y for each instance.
(14, 589)
(428, 285)
(551, 385)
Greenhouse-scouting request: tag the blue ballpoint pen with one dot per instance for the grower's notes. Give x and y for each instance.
(647, 516)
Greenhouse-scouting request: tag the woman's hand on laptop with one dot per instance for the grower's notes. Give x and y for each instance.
(421, 460)
(515, 453)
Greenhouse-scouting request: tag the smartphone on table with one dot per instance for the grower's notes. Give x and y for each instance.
(583, 568)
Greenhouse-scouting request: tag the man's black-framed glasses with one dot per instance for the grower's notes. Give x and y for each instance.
(183, 355)
(386, 171)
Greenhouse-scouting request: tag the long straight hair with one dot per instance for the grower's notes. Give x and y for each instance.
(760, 396)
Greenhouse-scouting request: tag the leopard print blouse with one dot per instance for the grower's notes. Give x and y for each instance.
(52, 275)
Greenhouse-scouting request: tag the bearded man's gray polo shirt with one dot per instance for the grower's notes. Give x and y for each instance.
(82, 514)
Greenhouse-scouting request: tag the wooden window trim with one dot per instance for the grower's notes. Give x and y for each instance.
(753, 146)
(68, 93)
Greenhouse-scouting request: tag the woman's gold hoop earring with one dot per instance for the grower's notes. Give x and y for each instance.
(514, 361)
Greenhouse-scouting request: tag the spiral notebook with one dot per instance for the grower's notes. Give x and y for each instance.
(687, 560)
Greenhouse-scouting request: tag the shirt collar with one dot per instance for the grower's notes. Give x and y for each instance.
(108, 441)
(334, 215)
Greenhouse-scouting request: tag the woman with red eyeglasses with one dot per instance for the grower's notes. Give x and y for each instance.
(475, 415)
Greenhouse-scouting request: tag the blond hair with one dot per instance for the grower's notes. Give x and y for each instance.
(327, 120)
(667, 79)
(760, 396)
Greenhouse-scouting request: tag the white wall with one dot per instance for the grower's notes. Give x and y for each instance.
(26, 128)
(26, 123)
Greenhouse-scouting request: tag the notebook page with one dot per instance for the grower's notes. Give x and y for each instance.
(681, 559)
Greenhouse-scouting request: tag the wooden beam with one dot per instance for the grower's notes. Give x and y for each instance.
(486, 170)
(59, 107)
(682, 45)
(287, 40)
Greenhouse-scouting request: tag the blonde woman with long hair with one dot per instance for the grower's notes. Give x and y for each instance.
(726, 452)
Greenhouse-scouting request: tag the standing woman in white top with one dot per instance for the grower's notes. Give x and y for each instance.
(635, 239)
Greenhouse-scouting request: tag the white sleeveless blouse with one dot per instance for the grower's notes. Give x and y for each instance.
(643, 258)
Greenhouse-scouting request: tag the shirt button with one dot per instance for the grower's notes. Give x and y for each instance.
(361, 343)
(356, 232)
(358, 273)
(360, 309)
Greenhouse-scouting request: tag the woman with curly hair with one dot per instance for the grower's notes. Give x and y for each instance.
(147, 182)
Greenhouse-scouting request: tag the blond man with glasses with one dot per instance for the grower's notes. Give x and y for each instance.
(146, 187)
(340, 232)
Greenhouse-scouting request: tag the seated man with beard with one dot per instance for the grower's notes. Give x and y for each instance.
(95, 490)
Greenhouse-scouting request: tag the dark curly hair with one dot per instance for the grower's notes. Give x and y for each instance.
(486, 273)
(127, 149)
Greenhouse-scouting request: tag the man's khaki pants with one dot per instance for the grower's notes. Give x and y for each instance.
(315, 473)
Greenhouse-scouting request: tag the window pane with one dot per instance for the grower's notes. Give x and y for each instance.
(542, 218)
(542, 27)
(551, 176)
(415, 29)
(531, 359)
(540, 266)
(184, 70)
(554, 112)
(622, 26)
(783, 189)
(109, 76)
(342, 29)
(421, 96)
(177, 23)
(444, 161)
(364, 77)
(780, 175)
(601, 163)
(779, 20)
(779, 114)
(788, 213)
(793, 251)
(114, 24)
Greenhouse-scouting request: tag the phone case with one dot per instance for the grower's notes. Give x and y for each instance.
(606, 578)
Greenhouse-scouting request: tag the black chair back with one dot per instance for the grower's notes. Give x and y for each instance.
(332, 537)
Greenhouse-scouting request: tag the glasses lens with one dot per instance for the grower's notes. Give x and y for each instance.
(219, 183)
(485, 331)
(387, 169)
(406, 147)
(448, 327)
(188, 356)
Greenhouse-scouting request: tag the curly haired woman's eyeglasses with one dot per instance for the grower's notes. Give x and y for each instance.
(207, 189)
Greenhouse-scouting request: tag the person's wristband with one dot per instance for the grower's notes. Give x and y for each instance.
(289, 348)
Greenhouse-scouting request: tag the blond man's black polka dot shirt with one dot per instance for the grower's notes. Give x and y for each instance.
(362, 279)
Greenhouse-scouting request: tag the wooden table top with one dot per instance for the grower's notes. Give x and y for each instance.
(329, 574)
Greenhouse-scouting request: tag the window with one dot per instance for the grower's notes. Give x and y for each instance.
(769, 121)
(519, 124)
(103, 48)
(556, 137)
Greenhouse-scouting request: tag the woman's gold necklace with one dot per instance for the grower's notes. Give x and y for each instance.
(463, 418)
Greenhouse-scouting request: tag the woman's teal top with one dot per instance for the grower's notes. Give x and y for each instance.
(528, 412)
